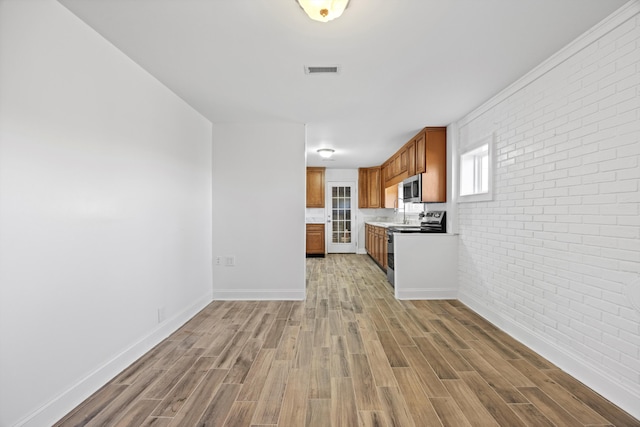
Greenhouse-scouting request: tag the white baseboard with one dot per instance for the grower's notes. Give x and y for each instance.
(62, 404)
(587, 373)
(259, 295)
(418, 294)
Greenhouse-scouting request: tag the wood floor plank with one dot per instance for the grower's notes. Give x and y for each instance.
(286, 350)
(372, 419)
(156, 422)
(218, 409)
(531, 415)
(605, 408)
(399, 334)
(449, 412)
(339, 357)
(92, 406)
(335, 323)
(262, 327)
(448, 334)
(178, 395)
(275, 333)
(318, 413)
(554, 412)
(354, 340)
(144, 363)
(507, 370)
(440, 365)
(320, 381)
(491, 400)
(469, 403)
(431, 384)
(379, 363)
(229, 355)
(395, 407)
(364, 383)
(392, 350)
(344, 412)
(559, 394)
(170, 378)
(125, 400)
(220, 341)
(190, 410)
(378, 319)
(422, 413)
(491, 375)
(321, 337)
(257, 375)
(270, 400)
(240, 368)
(294, 402)
(455, 360)
(304, 351)
(240, 414)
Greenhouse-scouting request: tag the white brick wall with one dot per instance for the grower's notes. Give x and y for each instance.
(554, 252)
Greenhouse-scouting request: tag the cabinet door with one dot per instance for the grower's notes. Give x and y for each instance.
(315, 187)
(374, 187)
(411, 158)
(421, 160)
(404, 160)
(315, 239)
(434, 180)
(363, 188)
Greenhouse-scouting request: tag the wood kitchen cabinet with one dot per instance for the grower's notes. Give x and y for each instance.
(370, 194)
(434, 176)
(426, 154)
(315, 240)
(376, 244)
(315, 187)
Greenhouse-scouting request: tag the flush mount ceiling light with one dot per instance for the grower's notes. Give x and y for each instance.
(323, 10)
(326, 153)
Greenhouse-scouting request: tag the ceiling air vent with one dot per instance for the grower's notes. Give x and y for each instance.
(327, 69)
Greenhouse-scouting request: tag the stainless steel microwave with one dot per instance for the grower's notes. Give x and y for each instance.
(412, 189)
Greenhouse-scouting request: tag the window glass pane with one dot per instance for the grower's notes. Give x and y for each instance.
(474, 171)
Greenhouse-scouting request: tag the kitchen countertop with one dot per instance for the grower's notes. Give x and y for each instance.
(392, 224)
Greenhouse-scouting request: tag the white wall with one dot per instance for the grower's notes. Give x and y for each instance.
(555, 257)
(105, 211)
(259, 210)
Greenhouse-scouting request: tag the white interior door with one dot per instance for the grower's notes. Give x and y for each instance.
(341, 217)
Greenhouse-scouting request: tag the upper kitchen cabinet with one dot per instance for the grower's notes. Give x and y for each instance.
(315, 187)
(426, 154)
(370, 194)
(434, 174)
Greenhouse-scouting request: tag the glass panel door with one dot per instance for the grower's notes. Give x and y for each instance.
(341, 217)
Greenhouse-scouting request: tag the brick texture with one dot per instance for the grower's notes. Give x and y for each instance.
(557, 247)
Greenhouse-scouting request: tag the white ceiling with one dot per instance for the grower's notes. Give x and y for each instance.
(405, 64)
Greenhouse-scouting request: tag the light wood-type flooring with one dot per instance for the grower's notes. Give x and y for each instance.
(350, 355)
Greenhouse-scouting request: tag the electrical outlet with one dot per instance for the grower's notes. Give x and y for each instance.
(230, 261)
(161, 314)
(217, 261)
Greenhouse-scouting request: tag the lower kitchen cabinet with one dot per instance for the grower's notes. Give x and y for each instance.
(315, 240)
(376, 244)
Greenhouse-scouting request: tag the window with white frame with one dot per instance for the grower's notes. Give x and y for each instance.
(476, 170)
